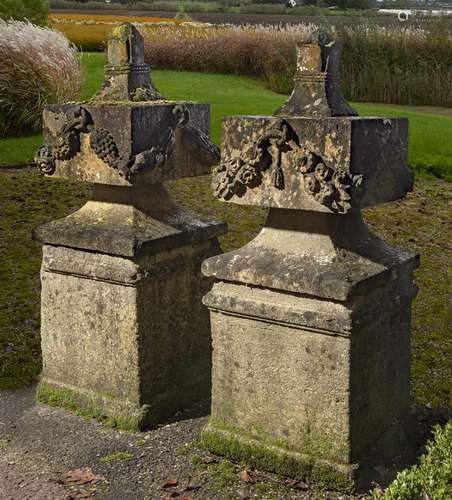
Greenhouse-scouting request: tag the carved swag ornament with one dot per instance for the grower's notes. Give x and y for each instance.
(328, 184)
(67, 144)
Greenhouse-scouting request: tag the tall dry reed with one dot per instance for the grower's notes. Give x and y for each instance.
(391, 65)
(38, 66)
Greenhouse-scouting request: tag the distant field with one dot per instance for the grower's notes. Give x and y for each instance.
(87, 16)
(256, 18)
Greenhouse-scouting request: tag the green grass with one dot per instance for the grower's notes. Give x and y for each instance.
(430, 147)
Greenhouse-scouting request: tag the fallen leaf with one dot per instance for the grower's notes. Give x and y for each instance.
(209, 460)
(171, 483)
(246, 477)
(191, 487)
(83, 476)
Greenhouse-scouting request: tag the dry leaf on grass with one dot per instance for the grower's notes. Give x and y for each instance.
(246, 477)
(171, 483)
(83, 476)
(174, 494)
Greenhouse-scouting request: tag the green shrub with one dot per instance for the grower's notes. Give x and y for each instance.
(35, 11)
(432, 478)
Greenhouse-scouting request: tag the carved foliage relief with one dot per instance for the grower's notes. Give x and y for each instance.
(326, 183)
(66, 144)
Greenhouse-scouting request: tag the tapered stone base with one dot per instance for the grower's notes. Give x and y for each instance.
(126, 336)
(322, 378)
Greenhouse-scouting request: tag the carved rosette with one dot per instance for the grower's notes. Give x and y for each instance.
(327, 184)
(45, 161)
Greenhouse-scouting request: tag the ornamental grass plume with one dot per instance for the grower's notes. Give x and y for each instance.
(38, 66)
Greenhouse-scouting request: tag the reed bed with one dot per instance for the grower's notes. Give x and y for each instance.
(258, 51)
(38, 66)
(388, 65)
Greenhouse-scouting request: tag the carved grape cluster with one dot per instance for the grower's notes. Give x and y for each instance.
(104, 146)
(66, 146)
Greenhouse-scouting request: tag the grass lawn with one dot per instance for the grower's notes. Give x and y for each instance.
(420, 222)
(430, 147)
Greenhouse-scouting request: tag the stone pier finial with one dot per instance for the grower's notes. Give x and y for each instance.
(127, 76)
(317, 85)
(124, 332)
(311, 319)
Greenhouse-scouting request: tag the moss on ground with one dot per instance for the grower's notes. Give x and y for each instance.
(420, 222)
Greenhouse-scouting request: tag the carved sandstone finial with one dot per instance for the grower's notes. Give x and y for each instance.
(317, 82)
(127, 76)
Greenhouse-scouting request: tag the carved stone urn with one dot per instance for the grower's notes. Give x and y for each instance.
(311, 319)
(124, 333)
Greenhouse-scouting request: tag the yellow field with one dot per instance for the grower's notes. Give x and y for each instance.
(110, 19)
(94, 36)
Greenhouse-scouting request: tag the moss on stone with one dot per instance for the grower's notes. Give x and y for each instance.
(314, 444)
(255, 453)
(69, 400)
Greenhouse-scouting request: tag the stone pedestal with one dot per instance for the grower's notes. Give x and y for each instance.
(311, 319)
(124, 333)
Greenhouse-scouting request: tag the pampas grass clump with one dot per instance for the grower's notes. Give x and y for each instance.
(38, 66)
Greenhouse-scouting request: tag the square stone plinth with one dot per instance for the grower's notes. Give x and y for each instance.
(310, 388)
(125, 338)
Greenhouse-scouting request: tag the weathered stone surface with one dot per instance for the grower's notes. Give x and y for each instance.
(124, 332)
(140, 143)
(317, 83)
(115, 334)
(128, 134)
(329, 256)
(311, 319)
(311, 348)
(321, 164)
(130, 222)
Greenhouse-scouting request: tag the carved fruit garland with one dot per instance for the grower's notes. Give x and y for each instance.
(67, 144)
(328, 185)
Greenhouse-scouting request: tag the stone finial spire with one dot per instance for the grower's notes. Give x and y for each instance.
(127, 76)
(317, 83)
